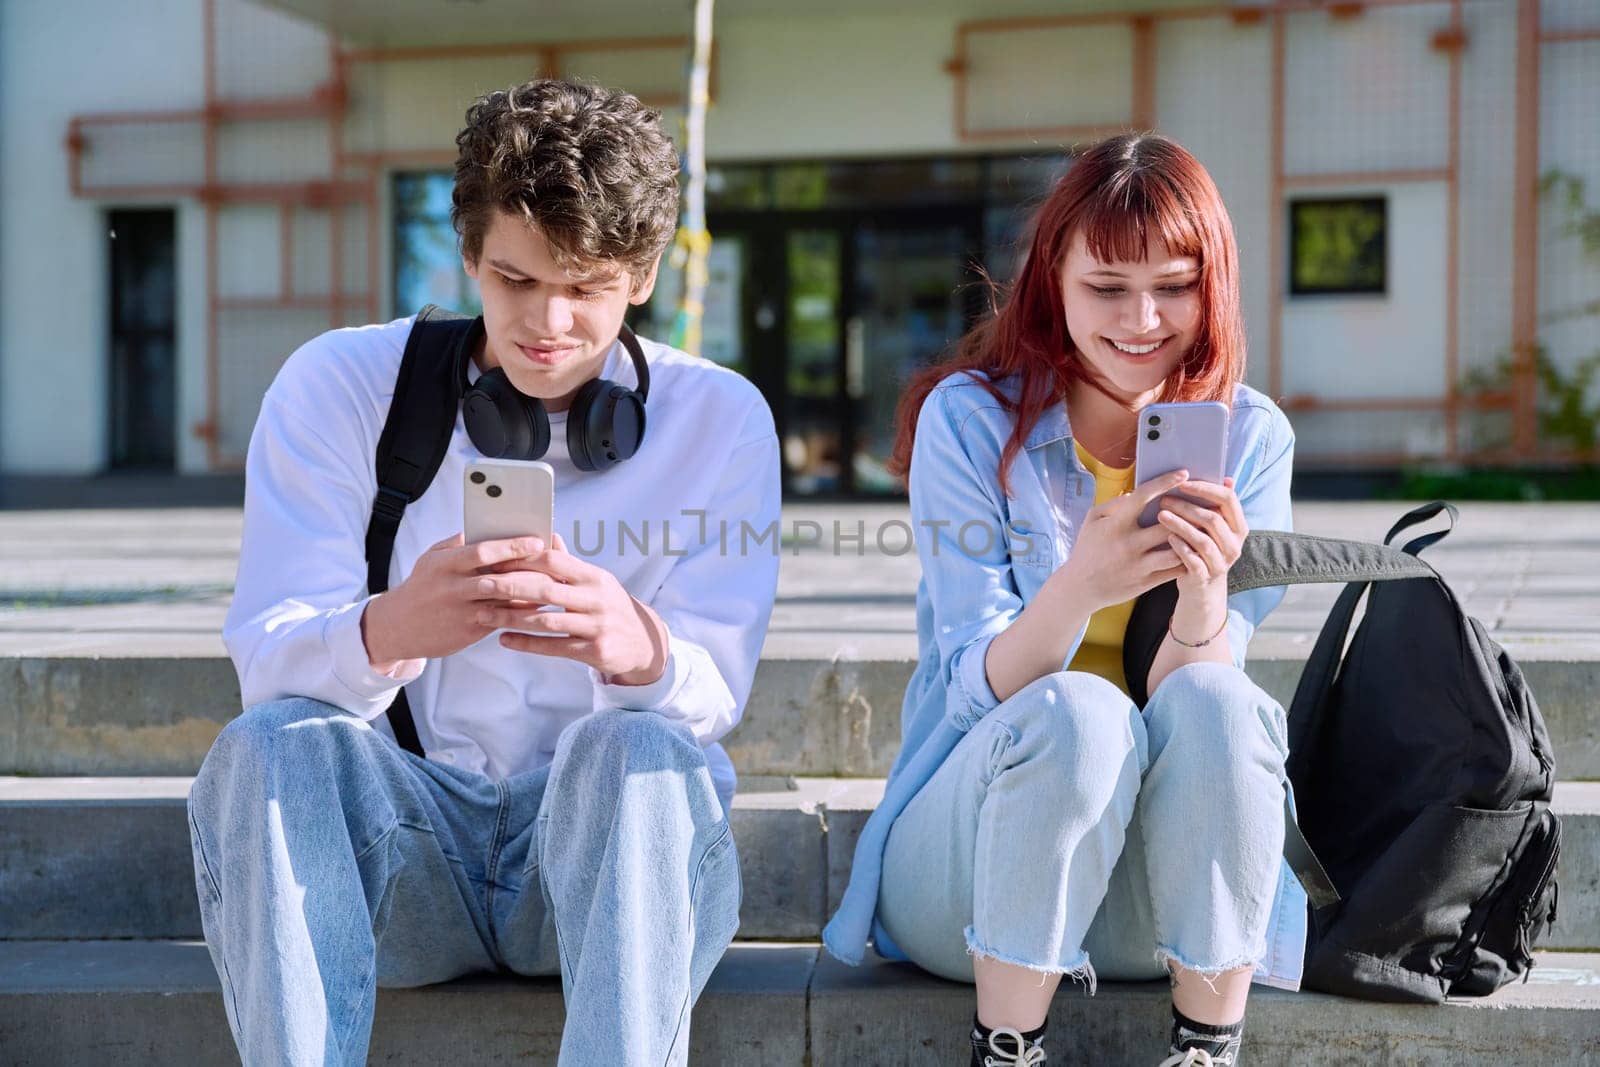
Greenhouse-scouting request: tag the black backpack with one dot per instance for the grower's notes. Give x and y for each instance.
(416, 435)
(1422, 774)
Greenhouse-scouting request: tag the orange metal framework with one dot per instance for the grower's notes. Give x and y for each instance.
(353, 177)
(1521, 398)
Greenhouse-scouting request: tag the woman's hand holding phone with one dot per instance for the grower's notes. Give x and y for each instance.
(1113, 558)
(1207, 539)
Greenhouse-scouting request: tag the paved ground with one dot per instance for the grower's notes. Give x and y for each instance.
(157, 582)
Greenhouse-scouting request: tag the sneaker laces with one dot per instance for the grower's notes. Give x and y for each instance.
(1021, 1056)
(1189, 1057)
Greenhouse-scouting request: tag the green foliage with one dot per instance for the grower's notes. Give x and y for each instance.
(1582, 222)
(1566, 414)
(1581, 483)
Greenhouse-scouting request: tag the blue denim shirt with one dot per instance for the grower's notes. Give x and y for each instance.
(984, 556)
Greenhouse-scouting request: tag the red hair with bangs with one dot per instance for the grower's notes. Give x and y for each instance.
(1118, 194)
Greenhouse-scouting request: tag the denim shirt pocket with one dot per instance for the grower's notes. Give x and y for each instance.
(1033, 557)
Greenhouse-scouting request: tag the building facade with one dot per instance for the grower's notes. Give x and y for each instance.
(191, 188)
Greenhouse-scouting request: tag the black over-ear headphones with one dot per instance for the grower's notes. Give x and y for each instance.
(605, 424)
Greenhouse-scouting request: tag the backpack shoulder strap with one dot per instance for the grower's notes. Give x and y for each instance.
(416, 435)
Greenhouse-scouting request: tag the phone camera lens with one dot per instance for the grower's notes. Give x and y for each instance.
(1155, 420)
(478, 478)
(1154, 435)
(493, 490)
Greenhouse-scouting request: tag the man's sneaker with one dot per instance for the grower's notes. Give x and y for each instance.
(1008, 1048)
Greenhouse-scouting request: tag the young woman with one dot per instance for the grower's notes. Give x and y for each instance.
(1037, 822)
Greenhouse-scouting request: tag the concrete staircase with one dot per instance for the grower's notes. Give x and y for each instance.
(113, 685)
(100, 956)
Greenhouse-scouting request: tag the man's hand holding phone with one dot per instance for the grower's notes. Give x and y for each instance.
(458, 594)
(598, 622)
(434, 612)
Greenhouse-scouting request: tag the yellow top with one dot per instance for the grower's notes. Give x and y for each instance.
(1101, 651)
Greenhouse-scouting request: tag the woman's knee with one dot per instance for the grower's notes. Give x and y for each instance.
(1074, 706)
(1215, 712)
(1077, 720)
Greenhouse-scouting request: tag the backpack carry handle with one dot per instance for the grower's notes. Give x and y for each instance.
(1419, 515)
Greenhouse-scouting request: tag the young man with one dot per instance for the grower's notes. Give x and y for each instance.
(570, 815)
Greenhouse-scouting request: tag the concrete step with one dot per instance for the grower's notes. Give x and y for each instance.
(110, 858)
(156, 1003)
(813, 710)
(95, 858)
(141, 1002)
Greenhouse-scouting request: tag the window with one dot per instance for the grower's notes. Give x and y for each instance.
(1338, 246)
(427, 262)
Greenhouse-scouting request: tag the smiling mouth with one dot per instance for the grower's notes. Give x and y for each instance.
(1133, 351)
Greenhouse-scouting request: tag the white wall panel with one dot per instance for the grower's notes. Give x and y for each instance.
(1213, 96)
(54, 274)
(1365, 93)
(248, 251)
(794, 87)
(1059, 76)
(1488, 184)
(1569, 144)
(1389, 345)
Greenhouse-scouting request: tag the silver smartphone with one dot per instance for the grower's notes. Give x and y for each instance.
(506, 498)
(1190, 436)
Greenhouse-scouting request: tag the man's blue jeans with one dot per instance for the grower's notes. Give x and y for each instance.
(330, 862)
(1073, 832)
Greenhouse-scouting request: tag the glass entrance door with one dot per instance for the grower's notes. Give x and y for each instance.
(864, 302)
(909, 305)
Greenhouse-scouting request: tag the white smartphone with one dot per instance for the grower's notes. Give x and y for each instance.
(1189, 436)
(506, 498)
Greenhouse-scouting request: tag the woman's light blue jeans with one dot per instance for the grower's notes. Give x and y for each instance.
(1070, 832)
(330, 862)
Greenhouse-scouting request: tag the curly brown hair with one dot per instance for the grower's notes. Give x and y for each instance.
(589, 166)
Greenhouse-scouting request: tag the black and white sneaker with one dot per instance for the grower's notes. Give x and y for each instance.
(1196, 1044)
(1193, 1057)
(1006, 1047)
(1203, 1053)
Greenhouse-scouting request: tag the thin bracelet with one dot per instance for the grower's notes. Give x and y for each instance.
(1202, 644)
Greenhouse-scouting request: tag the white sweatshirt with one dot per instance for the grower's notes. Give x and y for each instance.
(294, 626)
